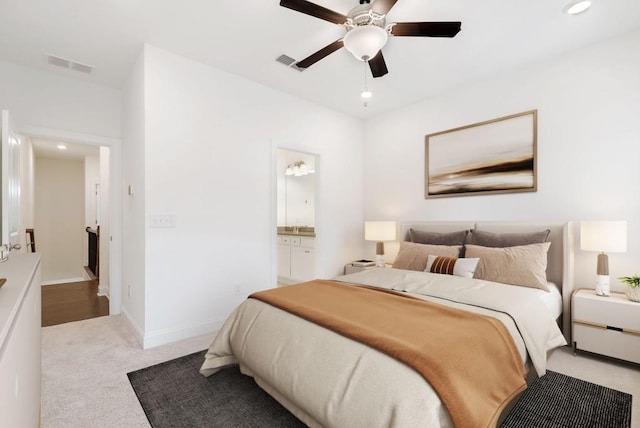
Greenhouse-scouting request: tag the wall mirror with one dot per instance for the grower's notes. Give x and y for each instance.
(296, 181)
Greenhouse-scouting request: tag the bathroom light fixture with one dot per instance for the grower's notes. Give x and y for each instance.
(575, 7)
(298, 169)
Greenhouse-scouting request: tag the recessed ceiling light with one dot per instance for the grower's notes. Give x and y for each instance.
(575, 7)
(61, 147)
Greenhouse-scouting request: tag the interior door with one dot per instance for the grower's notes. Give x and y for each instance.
(10, 184)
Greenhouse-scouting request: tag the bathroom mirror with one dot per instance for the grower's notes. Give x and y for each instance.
(296, 181)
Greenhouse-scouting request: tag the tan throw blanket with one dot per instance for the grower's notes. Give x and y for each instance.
(470, 360)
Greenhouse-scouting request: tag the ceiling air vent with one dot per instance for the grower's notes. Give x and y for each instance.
(288, 61)
(68, 64)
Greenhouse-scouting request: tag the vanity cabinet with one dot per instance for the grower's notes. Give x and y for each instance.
(296, 258)
(284, 257)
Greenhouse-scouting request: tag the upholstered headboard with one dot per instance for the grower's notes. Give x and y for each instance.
(559, 257)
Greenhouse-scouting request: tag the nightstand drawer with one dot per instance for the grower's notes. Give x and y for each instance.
(613, 343)
(615, 311)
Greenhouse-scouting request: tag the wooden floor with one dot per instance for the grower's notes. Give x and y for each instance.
(73, 301)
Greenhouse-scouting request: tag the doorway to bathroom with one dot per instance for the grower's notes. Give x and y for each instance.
(296, 212)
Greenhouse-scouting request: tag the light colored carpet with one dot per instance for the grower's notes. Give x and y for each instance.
(85, 366)
(84, 373)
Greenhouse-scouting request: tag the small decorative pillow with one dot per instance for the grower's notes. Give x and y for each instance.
(452, 266)
(412, 256)
(524, 265)
(436, 238)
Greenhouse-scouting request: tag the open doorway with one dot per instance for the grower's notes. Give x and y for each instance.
(296, 216)
(70, 207)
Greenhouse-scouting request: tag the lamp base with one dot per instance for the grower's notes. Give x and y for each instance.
(602, 286)
(379, 254)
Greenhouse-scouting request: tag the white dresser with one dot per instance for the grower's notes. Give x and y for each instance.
(20, 339)
(606, 325)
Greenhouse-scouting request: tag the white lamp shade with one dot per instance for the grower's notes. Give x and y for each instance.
(380, 230)
(603, 236)
(365, 42)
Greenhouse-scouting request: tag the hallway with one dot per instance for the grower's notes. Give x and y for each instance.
(72, 301)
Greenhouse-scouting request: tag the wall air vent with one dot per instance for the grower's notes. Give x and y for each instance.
(68, 64)
(289, 62)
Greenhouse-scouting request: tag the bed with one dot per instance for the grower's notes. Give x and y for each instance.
(329, 379)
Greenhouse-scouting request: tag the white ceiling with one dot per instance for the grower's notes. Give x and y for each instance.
(48, 149)
(245, 38)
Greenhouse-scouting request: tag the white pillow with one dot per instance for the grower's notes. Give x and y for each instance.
(465, 267)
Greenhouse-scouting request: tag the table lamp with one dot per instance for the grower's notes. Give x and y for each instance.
(603, 236)
(380, 231)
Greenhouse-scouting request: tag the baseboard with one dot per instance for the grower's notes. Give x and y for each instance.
(162, 337)
(103, 291)
(135, 328)
(89, 273)
(63, 281)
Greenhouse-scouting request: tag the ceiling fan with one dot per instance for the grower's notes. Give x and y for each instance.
(367, 31)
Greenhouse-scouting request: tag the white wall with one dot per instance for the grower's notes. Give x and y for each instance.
(27, 160)
(588, 105)
(39, 99)
(91, 178)
(59, 218)
(209, 159)
(133, 262)
(105, 222)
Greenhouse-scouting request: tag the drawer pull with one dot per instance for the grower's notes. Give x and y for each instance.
(614, 328)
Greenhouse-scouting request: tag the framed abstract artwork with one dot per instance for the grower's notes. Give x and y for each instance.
(490, 157)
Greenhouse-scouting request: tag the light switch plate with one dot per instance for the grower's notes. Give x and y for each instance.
(162, 220)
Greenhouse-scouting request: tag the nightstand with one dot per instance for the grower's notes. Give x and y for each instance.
(351, 268)
(606, 325)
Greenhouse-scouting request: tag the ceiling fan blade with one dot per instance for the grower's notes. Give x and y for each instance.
(426, 29)
(315, 57)
(306, 7)
(378, 66)
(383, 6)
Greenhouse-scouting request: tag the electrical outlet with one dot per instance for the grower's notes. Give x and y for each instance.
(162, 220)
(129, 291)
(238, 289)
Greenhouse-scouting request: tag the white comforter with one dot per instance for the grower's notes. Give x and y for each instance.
(328, 380)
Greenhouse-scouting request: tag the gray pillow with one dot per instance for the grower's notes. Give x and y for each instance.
(434, 238)
(501, 240)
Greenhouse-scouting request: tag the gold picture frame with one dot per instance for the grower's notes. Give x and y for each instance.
(486, 158)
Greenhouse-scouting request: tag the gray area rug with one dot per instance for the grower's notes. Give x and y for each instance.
(558, 401)
(174, 394)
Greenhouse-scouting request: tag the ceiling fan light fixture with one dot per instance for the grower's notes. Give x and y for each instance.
(576, 7)
(364, 42)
